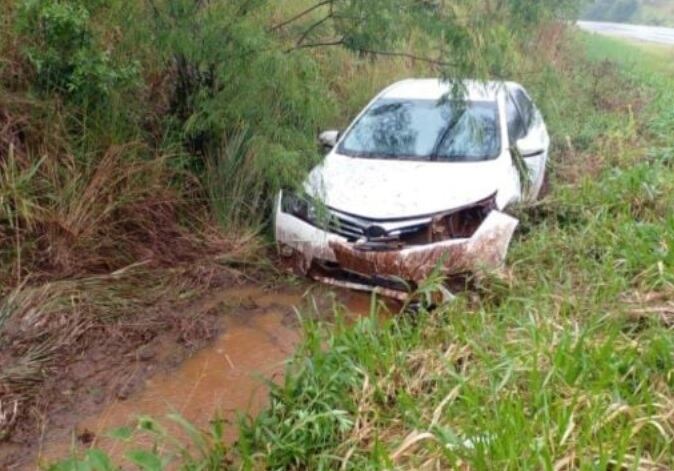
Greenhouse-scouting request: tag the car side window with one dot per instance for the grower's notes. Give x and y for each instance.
(516, 124)
(527, 109)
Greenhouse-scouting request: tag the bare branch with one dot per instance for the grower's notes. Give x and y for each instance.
(311, 28)
(340, 42)
(407, 55)
(336, 42)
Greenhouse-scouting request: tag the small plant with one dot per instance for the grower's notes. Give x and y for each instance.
(189, 448)
(65, 54)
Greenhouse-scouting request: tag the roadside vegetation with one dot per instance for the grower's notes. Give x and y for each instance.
(141, 144)
(565, 364)
(647, 12)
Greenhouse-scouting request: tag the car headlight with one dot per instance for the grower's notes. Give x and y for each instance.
(298, 206)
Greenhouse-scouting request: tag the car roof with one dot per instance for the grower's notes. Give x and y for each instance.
(434, 89)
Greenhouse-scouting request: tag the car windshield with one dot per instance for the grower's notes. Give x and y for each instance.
(444, 130)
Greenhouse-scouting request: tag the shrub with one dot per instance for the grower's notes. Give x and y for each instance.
(612, 10)
(65, 55)
(623, 10)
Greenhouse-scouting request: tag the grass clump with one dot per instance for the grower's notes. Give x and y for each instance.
(457, 389)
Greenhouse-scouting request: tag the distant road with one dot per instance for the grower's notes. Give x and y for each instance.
(654, 34)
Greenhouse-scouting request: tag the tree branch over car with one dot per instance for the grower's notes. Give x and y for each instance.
(460, 37)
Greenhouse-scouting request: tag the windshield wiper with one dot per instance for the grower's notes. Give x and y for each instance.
(445, 134)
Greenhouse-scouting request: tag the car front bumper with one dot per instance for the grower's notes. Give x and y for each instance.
(302, 244)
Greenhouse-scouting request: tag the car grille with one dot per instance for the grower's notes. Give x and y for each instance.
(354, 228)
(350, 229)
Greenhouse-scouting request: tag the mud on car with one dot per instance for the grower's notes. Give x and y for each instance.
(422, 178)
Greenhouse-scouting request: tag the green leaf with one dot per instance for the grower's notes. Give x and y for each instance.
(70, 464)
(148, 424)
(195, 435)
(121, 433)
(99, 460)
(145, 460)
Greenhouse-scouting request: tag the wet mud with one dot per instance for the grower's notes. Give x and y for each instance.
(257, 331)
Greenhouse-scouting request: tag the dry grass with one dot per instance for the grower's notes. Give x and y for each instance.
(45, 326)
(65, 215)
(89, 243)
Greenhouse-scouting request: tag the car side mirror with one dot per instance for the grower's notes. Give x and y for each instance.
(328, 139)
(529, 148)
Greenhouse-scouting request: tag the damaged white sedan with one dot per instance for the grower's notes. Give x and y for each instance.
(420, 179)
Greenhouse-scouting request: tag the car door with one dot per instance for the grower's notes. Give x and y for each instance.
(527, 131)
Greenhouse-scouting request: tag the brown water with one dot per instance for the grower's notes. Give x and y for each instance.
(259, 333)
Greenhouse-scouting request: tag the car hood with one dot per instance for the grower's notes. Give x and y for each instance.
(391, 189)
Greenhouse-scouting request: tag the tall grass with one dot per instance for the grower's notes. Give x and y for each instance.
(203, 121)
(145, 136)
(564, 364)
(567, 366)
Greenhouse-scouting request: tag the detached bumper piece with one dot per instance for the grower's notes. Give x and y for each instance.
(333, 274)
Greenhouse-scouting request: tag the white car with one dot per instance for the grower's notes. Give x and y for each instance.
(419, 180)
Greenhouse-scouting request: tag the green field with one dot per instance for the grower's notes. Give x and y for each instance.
(638, 58)
(566, 363)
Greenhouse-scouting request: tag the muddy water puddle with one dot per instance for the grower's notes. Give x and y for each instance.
(259, 333)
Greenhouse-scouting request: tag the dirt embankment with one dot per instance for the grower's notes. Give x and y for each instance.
(94, 361)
